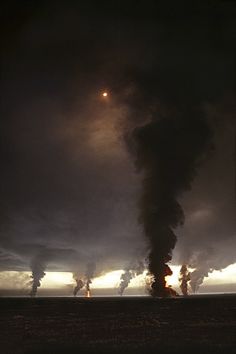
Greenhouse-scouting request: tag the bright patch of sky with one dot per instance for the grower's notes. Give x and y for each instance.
(53, 280)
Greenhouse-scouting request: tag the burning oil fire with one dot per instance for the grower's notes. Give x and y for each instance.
(169, 291)
(88, 293)
(164, 289)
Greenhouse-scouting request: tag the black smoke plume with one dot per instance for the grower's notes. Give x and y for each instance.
(38, 267)
(168, 153)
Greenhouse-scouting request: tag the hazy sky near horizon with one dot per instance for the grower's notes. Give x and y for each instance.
(58, 282)
(69, 187)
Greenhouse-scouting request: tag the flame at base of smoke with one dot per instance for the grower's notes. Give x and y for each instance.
(159, 287)
(88, 293)
(159, 291)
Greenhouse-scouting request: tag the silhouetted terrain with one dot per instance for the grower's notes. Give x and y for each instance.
(121, 325)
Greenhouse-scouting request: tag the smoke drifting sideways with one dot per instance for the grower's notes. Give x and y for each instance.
(168, 152)
(130, 273)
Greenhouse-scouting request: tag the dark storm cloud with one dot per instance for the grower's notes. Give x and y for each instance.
(68, 183)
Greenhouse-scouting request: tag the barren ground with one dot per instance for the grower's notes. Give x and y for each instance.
(118, 325)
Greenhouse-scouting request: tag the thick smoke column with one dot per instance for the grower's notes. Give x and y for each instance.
(38, 267)
(168, 152)
(184, 279)
(128, 275)
(79, 285)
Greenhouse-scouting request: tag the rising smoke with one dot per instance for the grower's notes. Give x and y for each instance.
(86, 281)
(89, 274)
(184, 279)
(201, 263)
(168, 153)
(79, 285)
(128, 275)
(197, 278)
(38, 267)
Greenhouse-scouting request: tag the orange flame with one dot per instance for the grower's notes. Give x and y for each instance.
(88, 293)
(167, 278)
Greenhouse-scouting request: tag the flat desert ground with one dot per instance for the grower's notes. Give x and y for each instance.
(118, 325)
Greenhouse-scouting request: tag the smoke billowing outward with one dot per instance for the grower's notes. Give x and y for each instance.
(168, 153)
(197, 277)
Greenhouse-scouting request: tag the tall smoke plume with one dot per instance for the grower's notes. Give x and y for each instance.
(184, 279)
(168, 152)
(128, 275)
(38, 267)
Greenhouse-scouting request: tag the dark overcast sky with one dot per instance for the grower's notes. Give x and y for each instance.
(69, 188)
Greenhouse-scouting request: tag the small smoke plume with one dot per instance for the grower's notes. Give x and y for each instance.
(125, 280)
(169, 150)
(38, 267)
(184, 279)
(128, 275)
(201, 262)
(79, 285)
(89, 274)
(87, 286)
